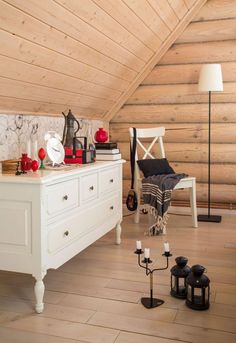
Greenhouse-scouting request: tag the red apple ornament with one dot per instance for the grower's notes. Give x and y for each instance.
(34, 165)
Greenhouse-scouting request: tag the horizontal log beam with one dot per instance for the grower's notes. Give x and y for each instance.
(190, 152)
(220, 193)
(181, 133)
(179, 113)
(203, 31)
(185, 73)
(220, 173)
(204, 52)
(180, 93)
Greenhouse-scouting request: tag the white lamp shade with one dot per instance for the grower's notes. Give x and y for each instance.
(210, 78)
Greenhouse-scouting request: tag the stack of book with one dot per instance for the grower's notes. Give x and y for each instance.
(107, 151)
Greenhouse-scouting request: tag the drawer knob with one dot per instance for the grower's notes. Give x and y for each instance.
(111, 180)
(91, 188)
(65, 197)
(66, 233)
(111, 207)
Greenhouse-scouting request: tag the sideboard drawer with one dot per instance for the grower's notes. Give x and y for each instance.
(89, 187)
(109, 179)
(65, 232)
(62, 196)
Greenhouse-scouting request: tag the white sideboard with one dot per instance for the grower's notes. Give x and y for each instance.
(48, 217)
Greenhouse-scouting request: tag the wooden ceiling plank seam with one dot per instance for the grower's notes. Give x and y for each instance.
(127, 74)
(29, 52)
(24, 72)
(165, 12)
(68, 25)
(145, 52)
(189, 3)
(129, 21)
(156, 58)
(149, 17)
(179, 7)
(214, 10)
(38, 93)
(58, 89)
(24, 104)
(56, 41)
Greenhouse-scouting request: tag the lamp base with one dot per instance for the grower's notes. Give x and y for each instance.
(206, 218)
(150, 303)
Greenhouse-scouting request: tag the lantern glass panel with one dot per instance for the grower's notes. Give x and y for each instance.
(182, 287)
(207, 294)
(198, 296)
(189, 294)
(173, 283)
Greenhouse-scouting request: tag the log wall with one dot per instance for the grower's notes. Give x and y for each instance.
(169, 97)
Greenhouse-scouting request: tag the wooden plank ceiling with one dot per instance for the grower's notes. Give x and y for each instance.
(88, 55)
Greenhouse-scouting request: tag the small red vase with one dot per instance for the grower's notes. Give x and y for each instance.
(25, 163)
(101, 136)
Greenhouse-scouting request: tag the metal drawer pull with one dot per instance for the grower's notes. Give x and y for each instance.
(111, 181)
(65, 197)
(111, 207)
(91, 188)
(66, 233)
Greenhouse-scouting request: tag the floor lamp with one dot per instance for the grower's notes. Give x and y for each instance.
(210, 80)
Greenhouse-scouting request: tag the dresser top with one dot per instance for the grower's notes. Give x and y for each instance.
(50, 174)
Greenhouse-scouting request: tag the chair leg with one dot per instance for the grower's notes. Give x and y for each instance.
(193, 204)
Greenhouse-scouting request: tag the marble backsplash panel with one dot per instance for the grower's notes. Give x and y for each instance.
(16, 131)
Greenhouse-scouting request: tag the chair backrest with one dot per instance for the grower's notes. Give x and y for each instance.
(155, 134)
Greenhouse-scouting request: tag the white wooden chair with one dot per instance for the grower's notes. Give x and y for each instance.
(156, 135)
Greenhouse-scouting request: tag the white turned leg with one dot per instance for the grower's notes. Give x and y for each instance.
(137, 212)
(118, 233)
(39, 293)
(136, 216)
(193, 204)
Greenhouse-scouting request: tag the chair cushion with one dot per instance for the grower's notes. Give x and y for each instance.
(156, 166)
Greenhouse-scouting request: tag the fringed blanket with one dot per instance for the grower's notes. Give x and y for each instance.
(157, 191)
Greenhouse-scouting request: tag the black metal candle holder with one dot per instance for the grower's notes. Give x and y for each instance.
(151, 302)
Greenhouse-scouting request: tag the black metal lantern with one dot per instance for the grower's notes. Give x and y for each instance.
(198, 289)
(178, 277)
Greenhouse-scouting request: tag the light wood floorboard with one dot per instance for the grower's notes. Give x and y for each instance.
(95, 297)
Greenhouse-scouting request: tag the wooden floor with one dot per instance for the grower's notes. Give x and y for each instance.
(95, 297)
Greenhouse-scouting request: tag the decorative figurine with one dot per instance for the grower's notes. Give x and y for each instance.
(34, 165)
(41, 155)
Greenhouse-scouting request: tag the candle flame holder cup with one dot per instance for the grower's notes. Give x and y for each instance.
(151, 302)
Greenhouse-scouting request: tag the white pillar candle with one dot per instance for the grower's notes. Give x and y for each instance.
(166, 247)
(138, 245)
(35, 150)
(146, 252)
(28, 147)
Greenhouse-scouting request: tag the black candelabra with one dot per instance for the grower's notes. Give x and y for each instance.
(151, 302)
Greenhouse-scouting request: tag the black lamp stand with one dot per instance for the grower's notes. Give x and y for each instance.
(208, 217)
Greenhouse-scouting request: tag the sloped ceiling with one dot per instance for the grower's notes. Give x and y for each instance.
(87, 55)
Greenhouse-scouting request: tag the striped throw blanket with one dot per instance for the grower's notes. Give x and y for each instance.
(157, 190)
